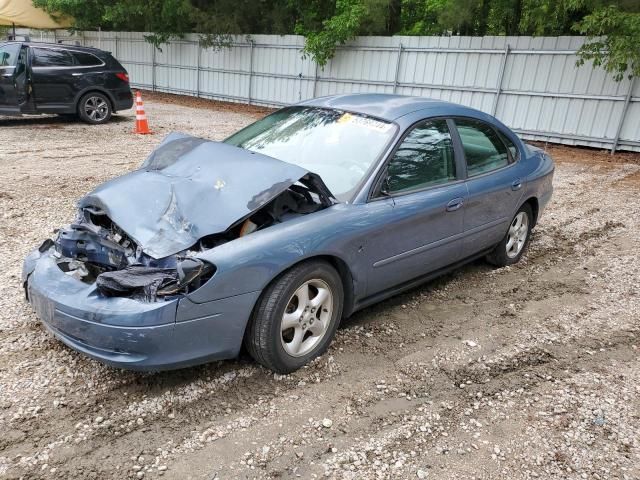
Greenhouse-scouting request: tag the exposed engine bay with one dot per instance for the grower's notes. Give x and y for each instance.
(94, 249)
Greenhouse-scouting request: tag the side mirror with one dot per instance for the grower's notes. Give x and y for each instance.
(384, 187)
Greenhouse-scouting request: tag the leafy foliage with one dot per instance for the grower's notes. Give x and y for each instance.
(337, 30)
(614, 41)
(326, 24)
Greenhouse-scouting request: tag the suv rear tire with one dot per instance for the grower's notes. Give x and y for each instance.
(94, 108)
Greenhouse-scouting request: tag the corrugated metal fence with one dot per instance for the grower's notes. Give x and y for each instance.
(530, 83)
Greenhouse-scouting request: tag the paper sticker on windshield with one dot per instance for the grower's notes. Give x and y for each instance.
(365, 122)
(345, 118)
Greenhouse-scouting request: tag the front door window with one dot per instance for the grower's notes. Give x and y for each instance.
(425, 158)
(9, 55)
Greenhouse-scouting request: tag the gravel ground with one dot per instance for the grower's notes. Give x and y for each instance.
(530, 371)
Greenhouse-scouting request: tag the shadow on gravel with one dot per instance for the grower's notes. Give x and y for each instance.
(158, 382)
(380, 310)
(52, 121)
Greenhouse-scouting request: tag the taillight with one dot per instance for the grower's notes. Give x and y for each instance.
(123, 76)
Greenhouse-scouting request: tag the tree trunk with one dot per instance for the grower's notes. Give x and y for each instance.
(394, 23)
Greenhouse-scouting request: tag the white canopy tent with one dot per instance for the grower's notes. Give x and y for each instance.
(22, 13)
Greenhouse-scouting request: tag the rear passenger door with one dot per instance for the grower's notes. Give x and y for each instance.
(493, 183)
(53, 78)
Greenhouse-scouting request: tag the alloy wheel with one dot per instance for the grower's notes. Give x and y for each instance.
(96, 108)
(517, 235)
(306, 317)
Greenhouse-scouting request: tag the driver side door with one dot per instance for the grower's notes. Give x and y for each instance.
(8, 91)
(419, 208)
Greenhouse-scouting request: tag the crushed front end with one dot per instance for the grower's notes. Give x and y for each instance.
(99, 294)
(116, 284)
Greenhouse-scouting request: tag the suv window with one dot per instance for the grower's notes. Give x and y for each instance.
(85, 59)
(425, 158)
(47, 57)
(483, 148)
(9, 54)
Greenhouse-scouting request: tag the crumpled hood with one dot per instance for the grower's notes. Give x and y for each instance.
(189, 188)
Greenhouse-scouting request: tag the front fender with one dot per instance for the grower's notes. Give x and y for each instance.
(250, 263)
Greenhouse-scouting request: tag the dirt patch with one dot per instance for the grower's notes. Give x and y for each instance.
(563, 153)
(530, 371)
(255, 111)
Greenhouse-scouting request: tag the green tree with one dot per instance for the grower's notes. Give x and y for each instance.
(612, 25)
(614, 41)
(337, 30)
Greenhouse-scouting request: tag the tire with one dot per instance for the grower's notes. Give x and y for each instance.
(282, 349)
(507, 253)
(95, 108)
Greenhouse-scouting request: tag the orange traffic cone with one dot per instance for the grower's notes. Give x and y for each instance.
(142, 126)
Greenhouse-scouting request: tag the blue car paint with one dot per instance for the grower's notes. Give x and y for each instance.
(179, 177)
(132, 334)
(379, 243)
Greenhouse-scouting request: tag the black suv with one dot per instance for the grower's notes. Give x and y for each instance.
(63, 79)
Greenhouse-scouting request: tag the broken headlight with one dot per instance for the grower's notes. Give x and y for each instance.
(192, 273)
(148, 283)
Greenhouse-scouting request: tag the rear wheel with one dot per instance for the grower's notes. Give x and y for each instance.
(514, 243)
(94, 108)
(296, 317)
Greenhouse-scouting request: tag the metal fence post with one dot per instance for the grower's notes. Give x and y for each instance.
(198, 70)
(115, 50)
(250, 70)
(153, 67)
(315, 80)
(627, 101)
(503, 64)
(395, 80)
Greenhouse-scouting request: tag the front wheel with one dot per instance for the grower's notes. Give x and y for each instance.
(296, 317)
(514, 243)
(94, 108)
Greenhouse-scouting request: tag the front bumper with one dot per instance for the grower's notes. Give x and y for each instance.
(133, 334)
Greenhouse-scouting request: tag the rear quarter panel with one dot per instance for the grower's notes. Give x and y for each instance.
(539, 168)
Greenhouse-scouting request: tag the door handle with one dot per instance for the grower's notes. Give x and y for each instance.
(516, 184)
(454, 204)
(76, 74)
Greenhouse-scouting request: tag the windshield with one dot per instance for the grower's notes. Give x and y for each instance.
(338, 146)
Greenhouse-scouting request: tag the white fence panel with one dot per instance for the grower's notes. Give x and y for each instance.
(532, 84)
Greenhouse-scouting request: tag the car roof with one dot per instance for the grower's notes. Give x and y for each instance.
(57, 45)
(390, 107)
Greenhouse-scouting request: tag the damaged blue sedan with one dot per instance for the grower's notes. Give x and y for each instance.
(270, 238)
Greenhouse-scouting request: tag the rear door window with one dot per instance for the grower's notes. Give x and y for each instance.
(515, 154)
(49, 57)
(484, 150)
(84, 59)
